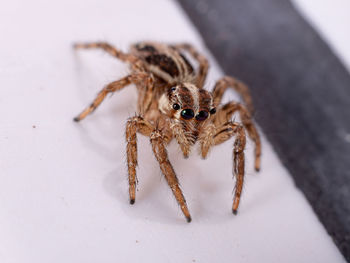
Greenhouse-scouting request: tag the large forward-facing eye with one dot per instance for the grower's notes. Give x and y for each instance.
(187, 114)
(202, 115)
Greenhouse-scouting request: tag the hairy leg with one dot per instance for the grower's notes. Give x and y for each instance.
(225, 114)
(222, 134)
(137, 78)
(111, 87)
(229, 82)
(109, 49)
(134, 125)
(238, 166)
(160, 152)
(203, 62)
(145, 93)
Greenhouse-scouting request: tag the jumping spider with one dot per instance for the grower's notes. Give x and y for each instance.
(173, 104)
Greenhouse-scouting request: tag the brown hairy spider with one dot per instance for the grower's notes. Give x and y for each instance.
(173, 104)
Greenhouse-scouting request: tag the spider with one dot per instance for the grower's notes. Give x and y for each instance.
(172, 104)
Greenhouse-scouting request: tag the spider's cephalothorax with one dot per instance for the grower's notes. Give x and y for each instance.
(173, 104)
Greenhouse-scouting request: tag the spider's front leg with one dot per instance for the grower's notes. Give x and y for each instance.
(134, 125)
(220, 119)
(225, 114)
(245, 111)
(160, 152)
(238, 164)
(216, 135)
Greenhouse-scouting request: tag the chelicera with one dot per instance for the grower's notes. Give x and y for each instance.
(173, 104)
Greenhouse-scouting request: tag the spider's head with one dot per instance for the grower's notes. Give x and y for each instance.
(185, 102)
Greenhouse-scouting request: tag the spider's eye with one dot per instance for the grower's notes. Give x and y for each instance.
(202, 115)
(176, 106)
(173, 89)
(187, 114)
(212, 111)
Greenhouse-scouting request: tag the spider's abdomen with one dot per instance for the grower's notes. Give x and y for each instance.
(164, 61)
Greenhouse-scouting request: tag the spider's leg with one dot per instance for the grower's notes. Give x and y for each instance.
(225, 113)
(222, 134)
(161, 155)
(134, 124)
(228, 82)
(146, 92)
(203, 62)
(112, 87)
(238, 166)
(109, 49)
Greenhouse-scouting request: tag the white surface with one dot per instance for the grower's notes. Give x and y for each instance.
(63, 186)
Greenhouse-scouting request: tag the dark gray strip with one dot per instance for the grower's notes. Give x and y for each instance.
(301, 92)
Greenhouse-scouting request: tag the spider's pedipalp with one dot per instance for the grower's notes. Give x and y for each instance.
(182, 136)
(207, 139)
